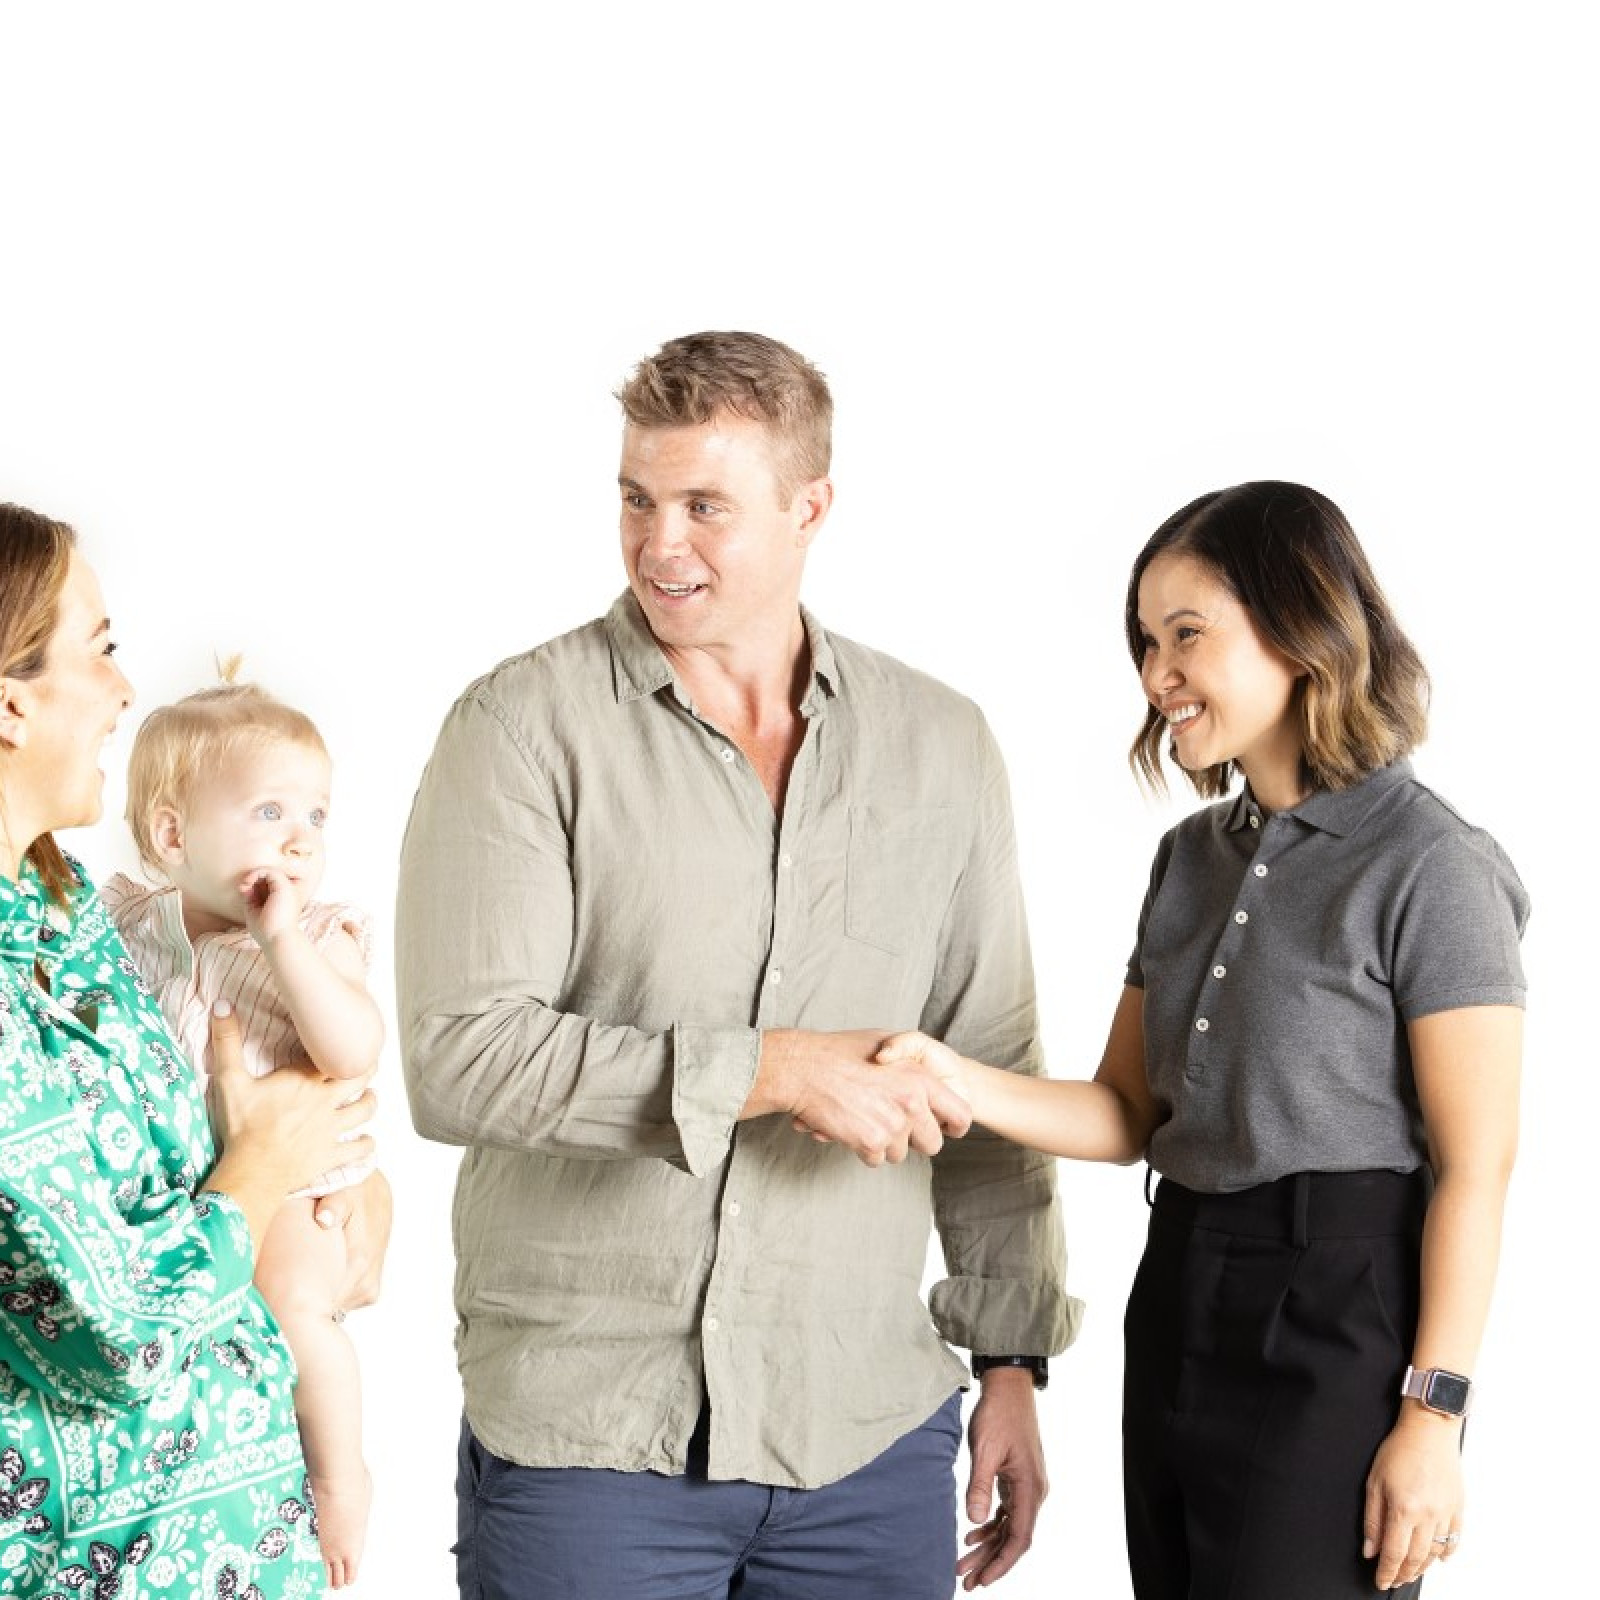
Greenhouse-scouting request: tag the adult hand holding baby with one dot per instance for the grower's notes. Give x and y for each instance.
(276, 1132)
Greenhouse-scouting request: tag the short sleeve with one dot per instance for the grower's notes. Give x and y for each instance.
(1458, 936)
(1158, 871)
(323, 921)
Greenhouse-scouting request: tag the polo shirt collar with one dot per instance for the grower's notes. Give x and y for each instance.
(1337, 811)
(638, 668)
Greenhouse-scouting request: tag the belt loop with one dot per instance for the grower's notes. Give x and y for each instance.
(1149, 1173)
(1302, 1209)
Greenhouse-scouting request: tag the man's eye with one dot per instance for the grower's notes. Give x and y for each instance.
(702, 508)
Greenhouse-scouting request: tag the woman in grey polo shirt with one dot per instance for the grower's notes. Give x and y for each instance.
(1318, 1049)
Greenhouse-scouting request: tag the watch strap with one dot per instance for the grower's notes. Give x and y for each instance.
(1039, 1366)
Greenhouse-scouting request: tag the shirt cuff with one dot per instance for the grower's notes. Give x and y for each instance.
(713, 1071)
(1008, 1316)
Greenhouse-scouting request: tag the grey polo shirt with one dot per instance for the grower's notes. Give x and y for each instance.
(1281, 958)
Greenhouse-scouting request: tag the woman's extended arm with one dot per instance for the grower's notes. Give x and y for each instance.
(1108, 1119)
(1468, 1069)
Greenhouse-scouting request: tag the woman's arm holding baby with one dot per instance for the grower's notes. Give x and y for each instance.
(325, 989)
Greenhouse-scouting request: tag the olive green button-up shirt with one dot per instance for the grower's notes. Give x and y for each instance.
(599, 912)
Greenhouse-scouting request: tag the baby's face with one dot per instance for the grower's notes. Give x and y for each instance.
(262, 809)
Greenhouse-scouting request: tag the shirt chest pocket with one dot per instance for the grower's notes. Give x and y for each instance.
(901, 867)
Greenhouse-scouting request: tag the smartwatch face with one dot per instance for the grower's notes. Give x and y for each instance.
(1447, 1392)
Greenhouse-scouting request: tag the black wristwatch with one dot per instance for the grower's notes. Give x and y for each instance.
(1039, 1366)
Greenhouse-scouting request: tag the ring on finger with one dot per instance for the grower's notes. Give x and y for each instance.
(1449, 1540)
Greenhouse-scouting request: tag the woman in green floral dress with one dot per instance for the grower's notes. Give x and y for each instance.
(147, 1436)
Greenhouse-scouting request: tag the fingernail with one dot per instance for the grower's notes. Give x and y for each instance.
(222, 1008)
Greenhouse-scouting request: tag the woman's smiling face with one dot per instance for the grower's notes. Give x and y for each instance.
(1226, 693)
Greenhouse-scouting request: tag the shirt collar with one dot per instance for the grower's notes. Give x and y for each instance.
(1337, 811)
(638, 668)
(31, 920)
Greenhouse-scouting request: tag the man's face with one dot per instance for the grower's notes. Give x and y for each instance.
(713, 553)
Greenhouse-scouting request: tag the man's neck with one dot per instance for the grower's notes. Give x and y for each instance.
(755, 686)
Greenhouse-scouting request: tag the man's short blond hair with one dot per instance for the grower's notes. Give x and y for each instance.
(693, 380)
(176, 744)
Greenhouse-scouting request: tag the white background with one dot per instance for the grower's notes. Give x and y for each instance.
(309, 318)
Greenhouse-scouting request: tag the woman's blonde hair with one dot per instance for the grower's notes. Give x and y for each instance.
(176, 744)
(35, 553)
(1290, 557)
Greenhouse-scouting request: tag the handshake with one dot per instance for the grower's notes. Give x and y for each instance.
(878, 1096)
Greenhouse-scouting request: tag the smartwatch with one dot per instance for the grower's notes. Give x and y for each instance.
(1445, 1392)
(1039, 1366)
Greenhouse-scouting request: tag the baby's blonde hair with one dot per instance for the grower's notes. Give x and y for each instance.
(176, 743)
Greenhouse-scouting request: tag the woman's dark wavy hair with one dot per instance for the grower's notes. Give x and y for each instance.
(1291, 558)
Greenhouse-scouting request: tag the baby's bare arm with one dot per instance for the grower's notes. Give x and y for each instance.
(326, 993)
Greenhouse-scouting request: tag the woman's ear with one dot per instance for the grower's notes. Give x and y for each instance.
(14, 707)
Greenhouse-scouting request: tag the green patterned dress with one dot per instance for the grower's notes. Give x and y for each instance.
(147, 1437)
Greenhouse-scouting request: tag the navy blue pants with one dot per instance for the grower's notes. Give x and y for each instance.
(887, 1530)
(1267, 1334)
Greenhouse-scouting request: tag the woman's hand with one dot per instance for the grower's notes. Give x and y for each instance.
(1414, 1497)
(276, 1133)
(937, 1058)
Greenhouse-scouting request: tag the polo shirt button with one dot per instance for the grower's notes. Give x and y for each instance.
(727, 754)
(1201, 1025)
(1261, 871)
(1255, 821)
(734, 1208)
(776, 975)
(786, 860)
(1219, 972)
(711, 1324)
(1241, 917)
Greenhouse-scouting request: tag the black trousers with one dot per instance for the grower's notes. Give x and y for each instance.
(1267, 1335)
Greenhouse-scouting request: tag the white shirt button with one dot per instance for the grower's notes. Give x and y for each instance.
(727, 754)
(1201, 1025)
(734, 1208)
(1255, 821)
(1241, 917)
(786, 860)
(711, 1324)
(1219, 972)
(776, 975)
(1261, 871)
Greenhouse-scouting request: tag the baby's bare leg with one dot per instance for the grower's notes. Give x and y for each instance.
(302, 1273)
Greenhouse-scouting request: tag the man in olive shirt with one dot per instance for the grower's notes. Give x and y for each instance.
(668, 883)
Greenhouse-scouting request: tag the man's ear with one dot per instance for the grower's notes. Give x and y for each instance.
(15, 703)
(813, 501)
(166, 835)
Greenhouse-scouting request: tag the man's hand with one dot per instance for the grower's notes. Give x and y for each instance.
(1003, 1442)
(831, 1087)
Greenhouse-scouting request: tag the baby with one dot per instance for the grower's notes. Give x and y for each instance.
(227, 800)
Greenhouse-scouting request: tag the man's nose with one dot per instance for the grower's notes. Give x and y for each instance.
(668, 535)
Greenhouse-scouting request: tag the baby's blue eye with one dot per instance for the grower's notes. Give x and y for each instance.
(319, 818)
(272, 812)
